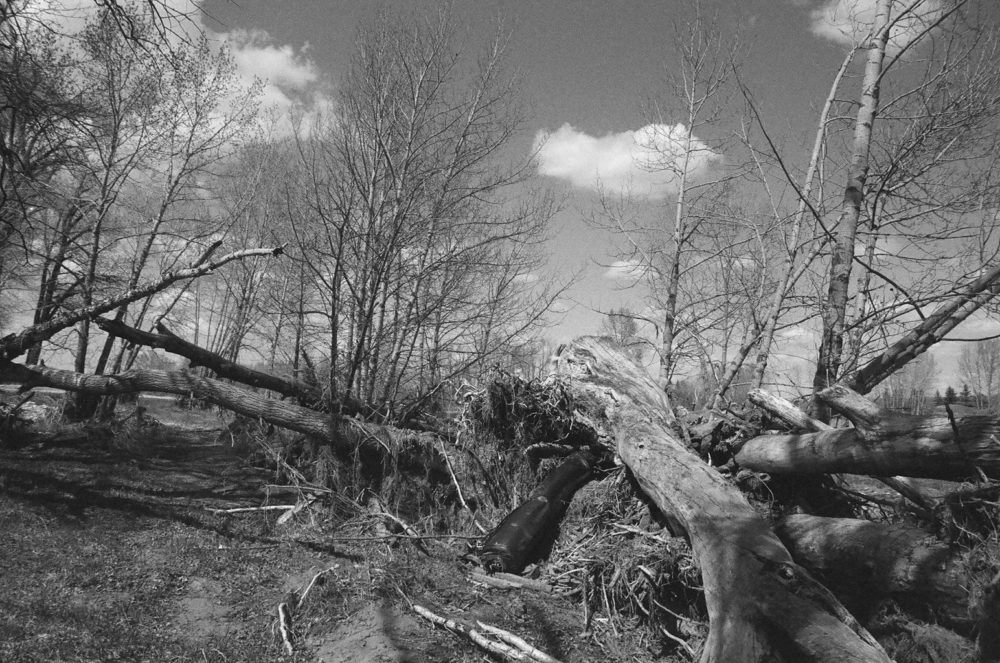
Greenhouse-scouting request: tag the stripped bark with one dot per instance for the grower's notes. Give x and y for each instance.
(761, 605)
(866, 562)
(785, 411)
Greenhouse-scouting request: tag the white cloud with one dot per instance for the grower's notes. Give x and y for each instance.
(285, 70)
(645, 162)
(849, 22)
(625, 270)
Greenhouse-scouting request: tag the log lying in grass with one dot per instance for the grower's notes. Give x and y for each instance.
(761, 605)
(347, 435)
(526, 529)
(866, 562)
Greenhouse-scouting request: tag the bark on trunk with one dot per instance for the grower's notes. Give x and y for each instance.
(14, 345)
(222, 367)
(761, 605)
(347, 435)
(910, 446)
(841, 261)
(866, 562)
(944, 319)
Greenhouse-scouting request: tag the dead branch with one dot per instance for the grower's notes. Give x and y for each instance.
(510, 646)
(14, 345)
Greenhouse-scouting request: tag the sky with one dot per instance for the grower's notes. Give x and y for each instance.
(588, 67)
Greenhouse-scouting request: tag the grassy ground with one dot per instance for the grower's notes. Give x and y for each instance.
(110, 551)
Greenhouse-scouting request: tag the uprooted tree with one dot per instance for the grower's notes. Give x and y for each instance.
(762, 586)
(407, 265)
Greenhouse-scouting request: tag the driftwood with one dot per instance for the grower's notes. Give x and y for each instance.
(866, 562)
(762, 606)
(490, 638)
(346, 434)
(511, 545)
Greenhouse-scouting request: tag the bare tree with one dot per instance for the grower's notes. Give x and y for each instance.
(979, 367)
(419, 232)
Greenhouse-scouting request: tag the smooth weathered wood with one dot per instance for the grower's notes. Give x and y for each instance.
(860, 411)
(786, 411)
(761, 605)
(346, 434)
(865, 562)
(865, 411)
(908, 446)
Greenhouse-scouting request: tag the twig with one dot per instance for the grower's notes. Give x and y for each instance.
(247, 509)
(458, 489)
(510, 647)
(510, 581)
(288, 515)
(285, 627)
(305, 592)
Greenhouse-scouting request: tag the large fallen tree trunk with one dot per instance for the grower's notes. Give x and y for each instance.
(866, 562)
(346, 434)
(761, 605)
(934, 447)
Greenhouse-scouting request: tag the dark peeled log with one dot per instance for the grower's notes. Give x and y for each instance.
(526, 530)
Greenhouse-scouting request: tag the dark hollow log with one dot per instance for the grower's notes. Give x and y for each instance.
(526, 530)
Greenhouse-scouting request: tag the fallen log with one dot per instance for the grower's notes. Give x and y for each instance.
(881, 444)
(346, 434)
(865, 563)
(761, 605)
(858, 412)
(926, 449)
(513, 543)
(167, 340)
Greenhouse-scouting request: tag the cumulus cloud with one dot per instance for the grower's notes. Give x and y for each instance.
(849, 22)
(645, 162)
